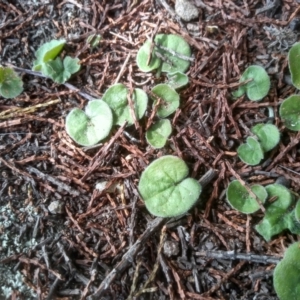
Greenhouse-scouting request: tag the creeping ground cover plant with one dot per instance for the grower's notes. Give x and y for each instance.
(11, 84)
(166, 189)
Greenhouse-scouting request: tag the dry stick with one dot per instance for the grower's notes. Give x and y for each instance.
(156, 266)
(53, 180)
(102, 152)
(233, 255)
(152, 42)
(174, 53)
(225, 278)
(123, 68)
(128, 257)
(68, 85)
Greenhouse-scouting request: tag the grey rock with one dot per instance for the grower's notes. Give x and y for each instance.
(56, 207)
(186, 10)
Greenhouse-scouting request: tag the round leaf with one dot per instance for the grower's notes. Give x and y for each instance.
(284, 197)
(176, 45)
(290, 112)
(169, 99)
(250, 153)
(116, 98)
(46, 52)
(89, 127)
(166, 190)
(286, 276)
(294, 64)
(143, 56)
(11, 85)
(259, 87)
(268, 135)
(177, 80)
(240, 199)
(158, 133)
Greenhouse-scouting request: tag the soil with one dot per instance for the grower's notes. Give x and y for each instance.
(64, 236)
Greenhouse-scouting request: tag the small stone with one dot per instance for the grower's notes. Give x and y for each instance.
(186, 10)
(56, 207)
(171, 248)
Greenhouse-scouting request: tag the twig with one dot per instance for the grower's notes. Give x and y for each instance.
(174, 53)
(123, 68)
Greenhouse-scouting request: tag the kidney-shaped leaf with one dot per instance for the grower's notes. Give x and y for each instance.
(251, 153)
(169, 99)
(46, 52)
(11, 85)
(268, 135)
(259, 85)
(116, 98)
(89, 127)
(166, 190)
(178, 48)
(286, 278)
(290, 112)
(294, 64)
(240, 199)
(158, 133)
(177, 80)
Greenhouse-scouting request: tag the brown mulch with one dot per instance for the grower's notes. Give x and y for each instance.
(102, 243)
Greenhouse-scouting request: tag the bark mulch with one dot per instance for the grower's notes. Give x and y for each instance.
(65, 237)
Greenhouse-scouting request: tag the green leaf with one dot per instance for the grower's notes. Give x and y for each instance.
(176, 44)
(268, 135)
(251, 153)
(294, 64)
(286, 277)
(60, 71)
(297, 211)
(11, 85)
(256, 89)
(169, 99)
(47, 52)
(290, 112)
(278, 216)
(240, 199)
(116, 98)
(166, 190)
(142, 58)
(89, 127)
(169, 60)
(158, 133)
(94, 40)
(177, 80)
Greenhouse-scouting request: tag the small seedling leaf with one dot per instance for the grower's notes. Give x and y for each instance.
(11, 85)
(47, 52)
(60, 71)
(240, 199)
(268, 135)
(94, 40)
(294, 64)
(158, 133)
(166, 190)
(178, 47)
(89, 127)
(169, 99)
(277, 217)
(286, 278)
(290, 112)
(143, 56)
(258, 87)
(251, 153)
(177, 80)
(116, 98)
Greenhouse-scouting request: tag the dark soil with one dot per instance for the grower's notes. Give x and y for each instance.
(103, 244)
